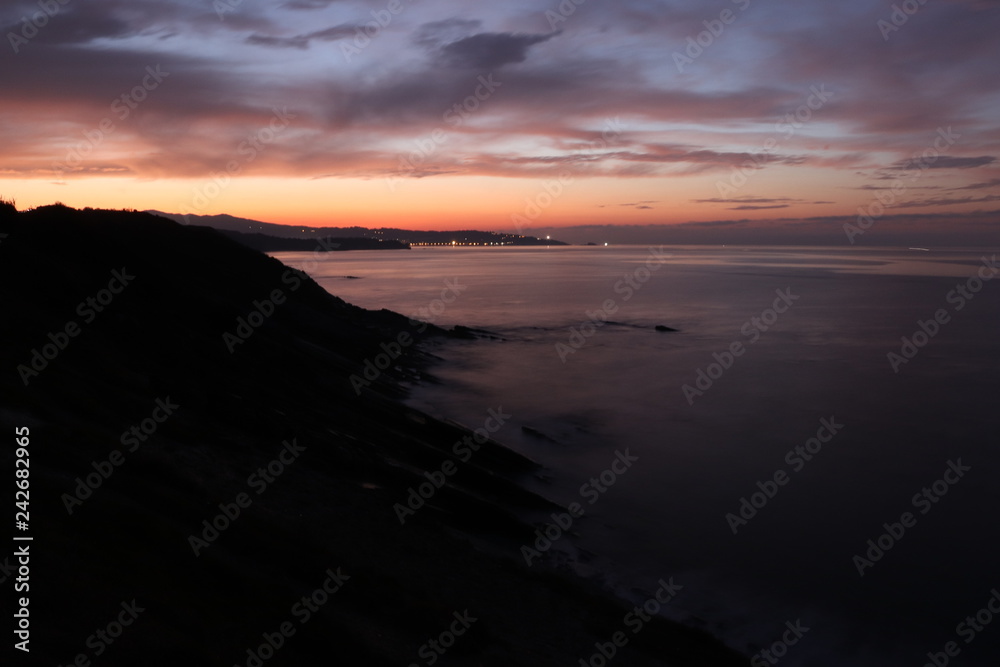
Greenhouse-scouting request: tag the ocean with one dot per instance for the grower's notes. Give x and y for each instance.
(815, 446)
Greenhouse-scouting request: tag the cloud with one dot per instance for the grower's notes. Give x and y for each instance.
(944, 162)
(993, 183)
(436, 34)
(641, 205)
(305, 5)
(690, 154)
(947, 201)
(336, 32)
(878, 188)
(76, 25)
(745, 200)
(490, 50)
(647, 161)
(752, 203)
(342, 31)
(297, 42)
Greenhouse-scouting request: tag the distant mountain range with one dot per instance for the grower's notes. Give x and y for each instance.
(231, 223)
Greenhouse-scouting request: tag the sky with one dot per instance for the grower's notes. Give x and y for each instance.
(515, 115)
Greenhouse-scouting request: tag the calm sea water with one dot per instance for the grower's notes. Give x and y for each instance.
(619, 386)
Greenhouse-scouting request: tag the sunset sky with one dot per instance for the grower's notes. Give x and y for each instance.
(441, 114)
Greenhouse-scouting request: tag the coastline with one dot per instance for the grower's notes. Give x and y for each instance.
(162, 337)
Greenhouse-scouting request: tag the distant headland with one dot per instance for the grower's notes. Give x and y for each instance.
(410, 237)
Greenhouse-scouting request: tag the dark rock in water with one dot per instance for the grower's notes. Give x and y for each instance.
(660, 327)
(535, 433)
(460, 331)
